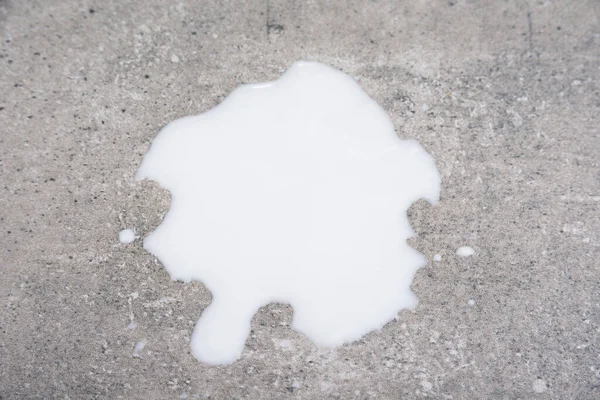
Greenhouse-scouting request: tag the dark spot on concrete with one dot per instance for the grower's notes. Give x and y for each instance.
(123, 110)
(92, 11)
(275, 29)
(194, 32)
(406, 101)
(146, 76)
(450, 3)
(558, 28)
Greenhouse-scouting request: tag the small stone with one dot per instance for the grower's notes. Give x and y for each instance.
(539, 386)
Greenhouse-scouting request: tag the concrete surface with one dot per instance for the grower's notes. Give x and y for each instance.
(504, 94)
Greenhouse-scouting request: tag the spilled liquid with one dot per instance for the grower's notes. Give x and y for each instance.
(292, 191)
(465, 251)
(126, 236)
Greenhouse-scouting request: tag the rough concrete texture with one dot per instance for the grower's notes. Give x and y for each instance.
(504, 94)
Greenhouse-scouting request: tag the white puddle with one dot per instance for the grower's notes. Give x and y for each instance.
(465, 251)
(126, 236)
(292, 191)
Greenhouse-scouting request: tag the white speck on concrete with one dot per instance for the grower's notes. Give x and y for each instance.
(471, 302)
(465, 251)
(437, 258)
(426, 385)
(174, 58)
(284, 344)
(539, 386)
(126, 236)
(139, 346)
(516, 119)
(132, 325)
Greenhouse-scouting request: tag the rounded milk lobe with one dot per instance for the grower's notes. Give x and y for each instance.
(126, 236)
(293, 191)
(465, 251)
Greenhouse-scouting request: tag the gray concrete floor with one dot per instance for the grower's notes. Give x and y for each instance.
(504, 94)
